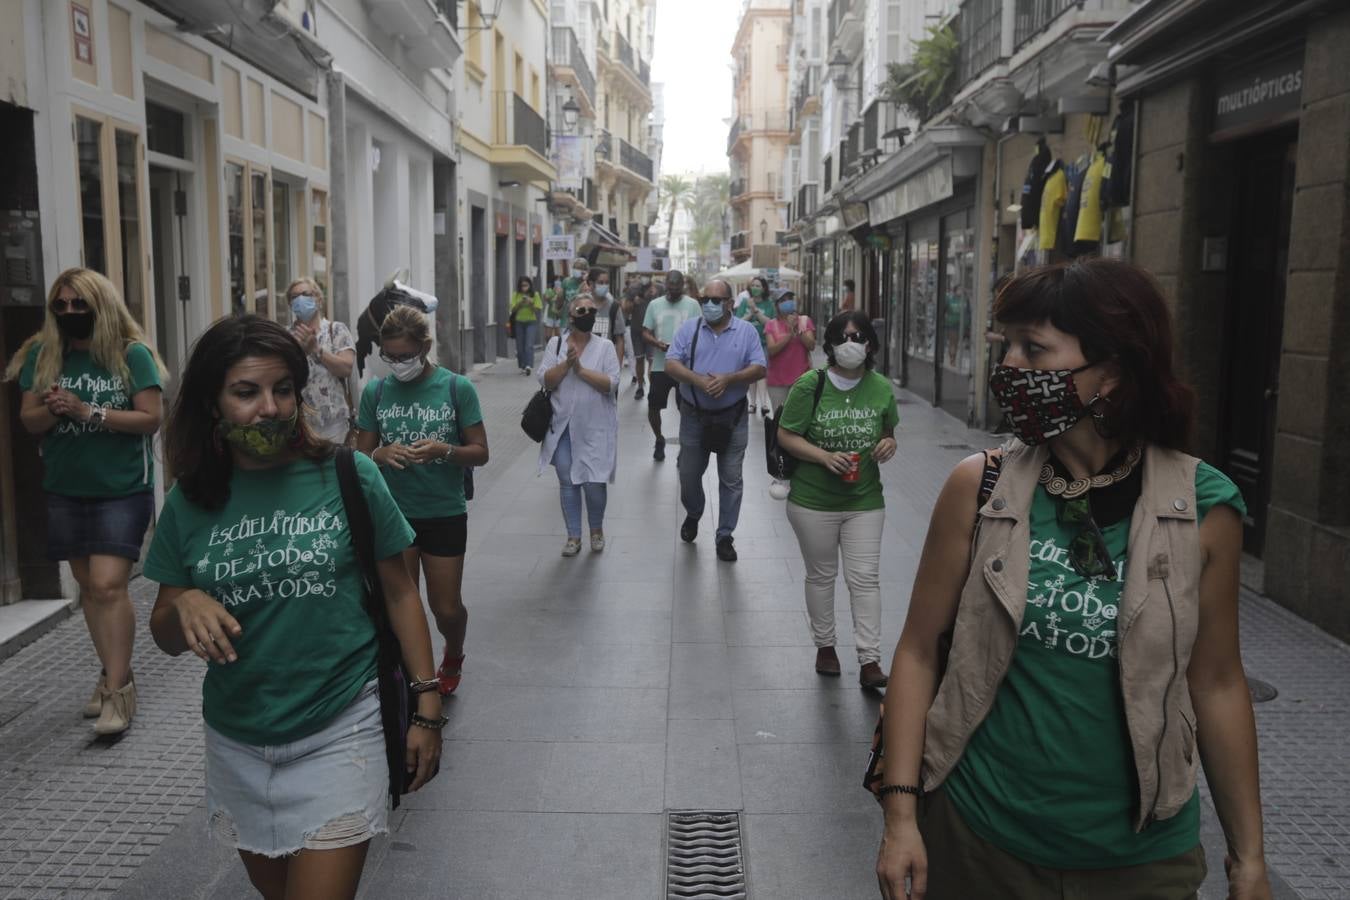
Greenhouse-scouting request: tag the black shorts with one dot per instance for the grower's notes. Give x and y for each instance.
(658, 392)
(638, 343)
(447, 536)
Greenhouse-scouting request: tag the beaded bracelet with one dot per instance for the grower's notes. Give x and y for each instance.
(422, 687)
(916, 790)
(422, 721)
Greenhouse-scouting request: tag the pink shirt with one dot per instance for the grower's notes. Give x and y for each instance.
(788, 364)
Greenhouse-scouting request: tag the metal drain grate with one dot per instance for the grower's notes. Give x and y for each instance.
(704, 860)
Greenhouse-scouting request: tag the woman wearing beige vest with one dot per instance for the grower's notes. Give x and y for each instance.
(1091, 606)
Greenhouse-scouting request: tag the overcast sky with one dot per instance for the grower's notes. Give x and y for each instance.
(693, 59)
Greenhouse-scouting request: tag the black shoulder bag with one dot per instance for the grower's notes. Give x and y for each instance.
(715, 431)
(875, 775)
(395, 698)
(538, 415)
(781, 463)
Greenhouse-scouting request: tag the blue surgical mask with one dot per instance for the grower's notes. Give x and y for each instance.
(713, 311)
(788, 307)
(601, 291)
(304, 307)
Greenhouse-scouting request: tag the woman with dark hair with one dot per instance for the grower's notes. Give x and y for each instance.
(423, 426)
(526, 308)
(840, 423)
(1085, 580)
(259, 579)
(92, 390)
(756, 307)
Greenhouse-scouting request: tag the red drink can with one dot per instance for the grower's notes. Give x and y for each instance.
(854, 468)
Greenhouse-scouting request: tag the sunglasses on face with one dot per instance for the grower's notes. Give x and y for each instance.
(1088, 553)
(580, 311)
(75, 304)
(855, 337)
(392, 360)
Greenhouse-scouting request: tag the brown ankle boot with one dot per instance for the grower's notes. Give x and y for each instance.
(95, 704)
(827, 662)
(871, 676)
(119, 707)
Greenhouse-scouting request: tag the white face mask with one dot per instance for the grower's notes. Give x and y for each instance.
(849, 355)
(408, 370)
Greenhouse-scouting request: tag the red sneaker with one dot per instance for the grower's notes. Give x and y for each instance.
(449, 672)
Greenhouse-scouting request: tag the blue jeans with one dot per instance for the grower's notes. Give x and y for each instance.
(525, 332)
(694, 462)
(597, 492)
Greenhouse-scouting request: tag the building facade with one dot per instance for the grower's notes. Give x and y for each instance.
(757, 142)
(1240, 202)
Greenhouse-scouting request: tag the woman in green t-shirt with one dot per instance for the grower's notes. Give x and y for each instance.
(1084, 584)
(259, 578)
(423, 426)
(840, 423)
(526, 308)
(92, 390)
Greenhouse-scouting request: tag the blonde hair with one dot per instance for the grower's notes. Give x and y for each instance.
(115, 330)
(405, 322)
(312, 288)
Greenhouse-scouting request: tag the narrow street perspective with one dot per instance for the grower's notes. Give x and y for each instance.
(683, 449)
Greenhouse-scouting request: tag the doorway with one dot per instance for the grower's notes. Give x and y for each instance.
(501, 288)
(1263, 189)
(478, 279)
(169, 190)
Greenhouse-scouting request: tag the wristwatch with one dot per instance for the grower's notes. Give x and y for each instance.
(97, 415)
(449, 451)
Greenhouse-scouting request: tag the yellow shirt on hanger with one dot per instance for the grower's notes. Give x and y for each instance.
(1052, 202)
(1089, 226)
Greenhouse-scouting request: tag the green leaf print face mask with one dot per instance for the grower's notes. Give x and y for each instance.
(263, 440)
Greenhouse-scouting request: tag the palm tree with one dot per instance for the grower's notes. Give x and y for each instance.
(677, 190)
(715, 190)
(706, 238)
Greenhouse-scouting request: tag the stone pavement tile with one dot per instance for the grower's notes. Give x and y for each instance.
(698, 624)
(517, 663)
(776, 570)
(497, 713)
(804, 778)
(773, 597)
(507, 856)
(700, 682)
(607, 778)
(769, 629)
(787, 668)
(502, 776)
(623, 666)
(810, 716)
(702, 771)
(810, 857)
(608, 596)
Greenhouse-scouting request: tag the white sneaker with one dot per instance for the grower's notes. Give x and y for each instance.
(572, 547)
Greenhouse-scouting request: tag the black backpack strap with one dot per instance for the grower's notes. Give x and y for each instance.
(993, 464)
(693, 354)
(360, 525)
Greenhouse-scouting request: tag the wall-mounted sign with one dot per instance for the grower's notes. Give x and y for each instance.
(569, 158)
(560, 247)
(1258, 97)
(503, 224)
(536, 233)
(520, 229)
(653, 259)
(933, 185)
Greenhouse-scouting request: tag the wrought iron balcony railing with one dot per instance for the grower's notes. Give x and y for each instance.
(567, 52)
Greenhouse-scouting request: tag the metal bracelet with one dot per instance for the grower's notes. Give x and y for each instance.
(422, 721)
(422, 687)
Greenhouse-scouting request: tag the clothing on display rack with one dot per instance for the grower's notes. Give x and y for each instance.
(1034, 185)
(1116, 174)
(1053, 198)
(1087, 234)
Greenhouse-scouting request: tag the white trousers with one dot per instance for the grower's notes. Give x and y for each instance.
(758, 395)
(823, 537)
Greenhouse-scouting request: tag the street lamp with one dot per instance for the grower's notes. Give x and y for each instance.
(839, 64)
(570, 111)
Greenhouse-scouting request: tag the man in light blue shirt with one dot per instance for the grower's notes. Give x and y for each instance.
(663, 318)
(715, 358)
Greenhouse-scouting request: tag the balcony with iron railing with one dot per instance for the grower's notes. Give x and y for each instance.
(844, 24)
(740, 242)
(1035, 16)
(764, 120)
(517, 124)
(807, 89)
(806, 201)
(980, 33)
(630, 60)
(827, 174)
(739, 186)
(634, 160)
(567, 55)
(634, 234)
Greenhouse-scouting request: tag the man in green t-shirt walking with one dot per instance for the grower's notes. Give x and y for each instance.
(663, 317)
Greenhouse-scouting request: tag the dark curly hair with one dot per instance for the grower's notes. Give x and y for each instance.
(1118, 313)
(834, 334)
(204, 466)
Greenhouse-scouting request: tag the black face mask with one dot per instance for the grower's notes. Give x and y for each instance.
(584, 321)
(75, 326)
(675, 296)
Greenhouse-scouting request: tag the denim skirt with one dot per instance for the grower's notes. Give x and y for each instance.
(79, 527)
(321, 792)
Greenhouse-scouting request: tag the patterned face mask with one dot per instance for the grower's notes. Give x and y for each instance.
(263, 440)
(1040, 403)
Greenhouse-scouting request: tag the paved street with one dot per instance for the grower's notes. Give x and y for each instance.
(599, 693)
